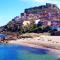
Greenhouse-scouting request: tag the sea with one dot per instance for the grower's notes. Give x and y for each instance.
(19, 52)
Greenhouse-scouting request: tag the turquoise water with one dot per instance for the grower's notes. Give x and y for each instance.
(16, 52)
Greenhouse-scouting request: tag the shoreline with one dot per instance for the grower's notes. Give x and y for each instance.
(39, 42)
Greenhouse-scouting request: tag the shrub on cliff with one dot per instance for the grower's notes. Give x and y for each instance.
(46, 29)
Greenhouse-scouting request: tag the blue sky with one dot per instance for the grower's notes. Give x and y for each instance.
(11, 8)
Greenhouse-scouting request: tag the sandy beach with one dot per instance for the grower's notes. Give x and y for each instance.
(51, 43)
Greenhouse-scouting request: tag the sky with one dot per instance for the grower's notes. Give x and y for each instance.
(11, 8)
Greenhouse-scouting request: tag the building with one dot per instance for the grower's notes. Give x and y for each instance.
(37, 21)
(25, 23)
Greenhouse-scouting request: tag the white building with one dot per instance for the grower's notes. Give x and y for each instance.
(25, 23)
(49, 23)
(37, 21)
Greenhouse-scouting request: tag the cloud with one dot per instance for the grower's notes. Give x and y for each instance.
(42, 1)
(47, 1)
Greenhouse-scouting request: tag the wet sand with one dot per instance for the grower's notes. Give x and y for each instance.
(51, 43)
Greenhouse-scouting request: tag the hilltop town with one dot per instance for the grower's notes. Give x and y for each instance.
(39, 19)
